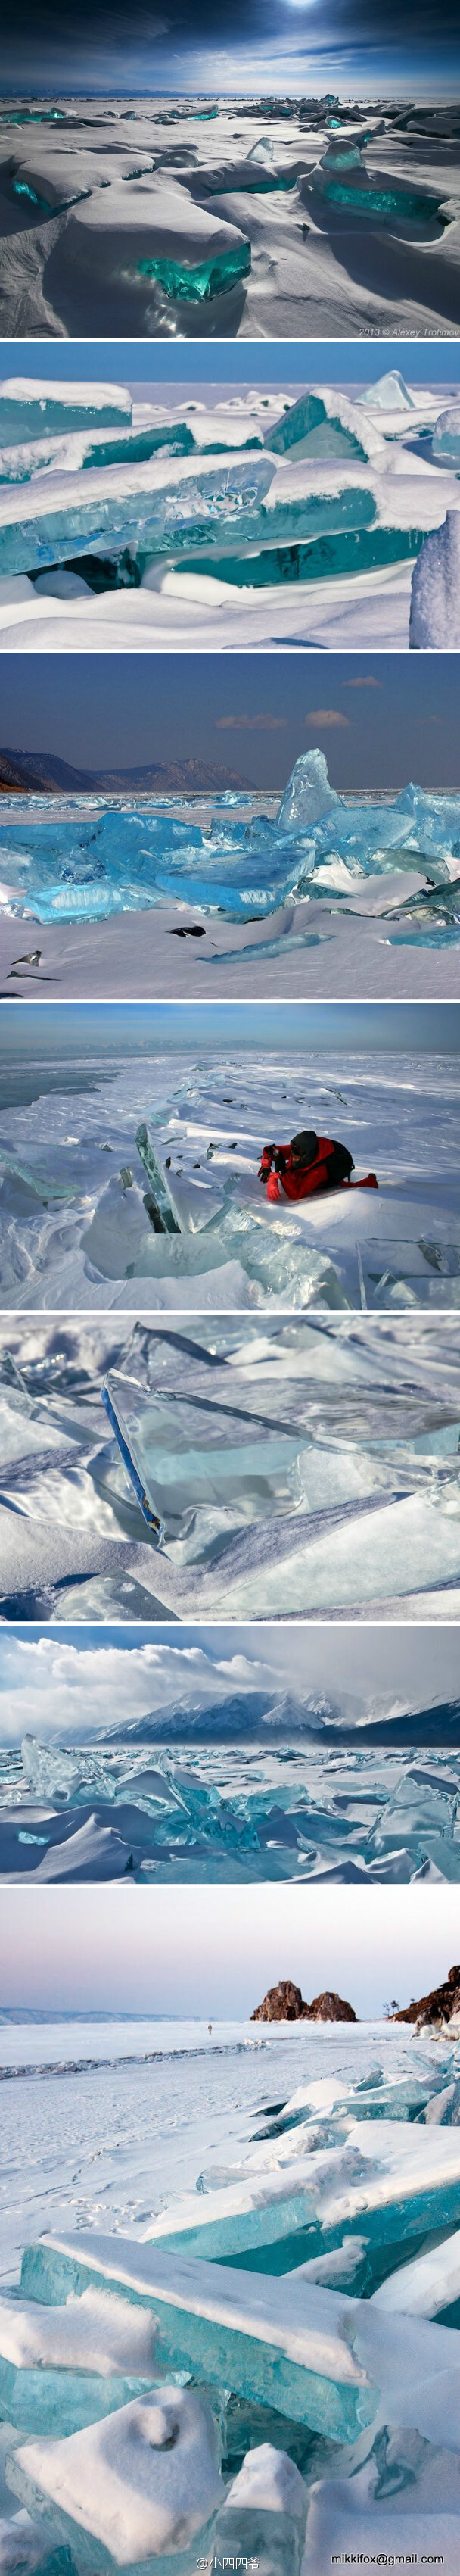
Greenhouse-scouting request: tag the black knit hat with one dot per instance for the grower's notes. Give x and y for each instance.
(305, 1145)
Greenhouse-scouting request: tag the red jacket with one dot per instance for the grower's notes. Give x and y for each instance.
(297, 1181)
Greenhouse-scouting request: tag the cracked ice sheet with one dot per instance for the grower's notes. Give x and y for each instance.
(93, 1246)
(373, 1520)
(93, 2152)
(340, 278)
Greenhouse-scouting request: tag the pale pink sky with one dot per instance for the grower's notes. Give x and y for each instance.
(213, 1951)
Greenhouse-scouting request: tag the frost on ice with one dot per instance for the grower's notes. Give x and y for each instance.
(435, 602)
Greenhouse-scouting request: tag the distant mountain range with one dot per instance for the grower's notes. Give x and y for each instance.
(235, 1716)
(36, 770)
(253, 1713)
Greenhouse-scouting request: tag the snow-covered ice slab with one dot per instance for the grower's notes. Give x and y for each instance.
(271, 2341)
(384, 2177)
(352, 490)
(313, 217)
(155, 234)
(387, 2177)
(31, 410)
(427, 2285)
(351, 2521)
(133, 2491)
(323, 2357)
(263, 2516)
(166, 507)
(93, 2334)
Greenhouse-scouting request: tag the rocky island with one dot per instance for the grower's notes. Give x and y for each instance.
(284, 2002)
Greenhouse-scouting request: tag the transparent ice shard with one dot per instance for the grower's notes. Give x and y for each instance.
(446, 435)
(50, 205)
(78, 453)
(390, 393)
(25, 2549)
(427, 2286)
(199, 1471)
(161, 506)
(351, 542)
(325, 424)
(185, 1204)
(114, 856)
(373, 196)
(46, 1185)
(308, 797)
(263, 2517)
(184, 282)
(47, 2402)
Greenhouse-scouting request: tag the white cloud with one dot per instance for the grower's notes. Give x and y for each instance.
(53, 1689)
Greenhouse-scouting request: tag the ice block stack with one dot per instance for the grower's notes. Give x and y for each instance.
(126, 2362)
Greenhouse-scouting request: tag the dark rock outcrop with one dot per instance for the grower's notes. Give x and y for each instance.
(438, 2006)
(284, 2002)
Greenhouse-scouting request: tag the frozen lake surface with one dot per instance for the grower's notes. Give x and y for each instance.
(239, 1813)
(97, 1163)
(229, 894)
(233, 1776)
(276, 218)
(326, 2154)
(279, 1468)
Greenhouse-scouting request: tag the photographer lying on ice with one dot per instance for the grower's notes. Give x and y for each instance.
(308, 1164)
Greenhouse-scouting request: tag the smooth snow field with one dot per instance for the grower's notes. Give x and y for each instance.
(138, 1187)
(234, 2329)
(274, 219)
(275, 1469)
(316, 893)
(211, 522)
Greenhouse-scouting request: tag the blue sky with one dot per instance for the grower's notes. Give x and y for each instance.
(42, 1030)
(380, 719)
(131, 362)
(392, 48)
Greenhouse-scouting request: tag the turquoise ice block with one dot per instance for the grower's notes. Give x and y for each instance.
(273, 2341)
